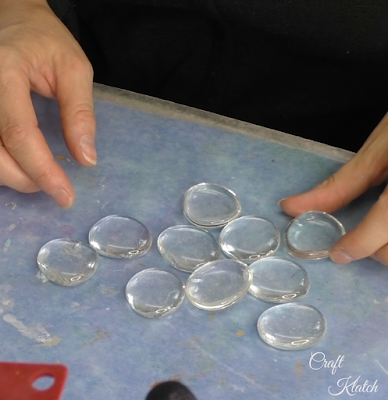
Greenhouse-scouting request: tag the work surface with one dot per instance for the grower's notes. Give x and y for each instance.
(150, 153)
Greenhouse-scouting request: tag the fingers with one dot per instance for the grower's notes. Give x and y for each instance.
(74, 91)
(341, 188)
(381, 255)
(12, 175)
(370, 237)
(25, 143)
(49, 61)
(367, 168)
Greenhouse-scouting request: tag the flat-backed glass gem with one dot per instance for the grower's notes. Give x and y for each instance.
(218, 284)
(249, 238)
(291, 326)
(187, 247)
(210, 205)
(117, 236)
(154, 293)
(67, 262)
(278, 280)
(312, 234)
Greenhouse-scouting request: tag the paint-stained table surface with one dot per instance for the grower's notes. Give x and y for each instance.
(150, 153)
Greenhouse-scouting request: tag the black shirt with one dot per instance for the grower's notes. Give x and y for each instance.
(317, 69)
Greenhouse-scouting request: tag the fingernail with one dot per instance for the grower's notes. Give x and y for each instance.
(340, 257)
(281, 200)
(61, 197)
(88, 149)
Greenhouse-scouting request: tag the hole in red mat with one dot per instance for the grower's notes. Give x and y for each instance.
(44, 382)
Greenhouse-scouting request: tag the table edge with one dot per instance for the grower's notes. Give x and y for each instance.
(182, 112)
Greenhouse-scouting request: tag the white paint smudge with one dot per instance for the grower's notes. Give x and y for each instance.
(13, 204)
(11, 227)
(108, 291)
(6, 301)
(237, 388)
(381, 367)
(76, 307)
(37, 332)
(50, 343)
(6, 245)
(375, 301)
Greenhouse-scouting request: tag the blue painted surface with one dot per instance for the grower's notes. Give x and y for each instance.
(146, 163)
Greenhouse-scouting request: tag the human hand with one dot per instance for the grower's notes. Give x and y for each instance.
(38, 53)
(369, 167)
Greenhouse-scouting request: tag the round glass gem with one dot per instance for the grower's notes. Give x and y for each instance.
(120, 237)
(249, 238)
(291, 326)
(218, 284)
(187, 247)
(154, 293)
(278, 280)
(210, 205)
(67, 262)
(312, 234)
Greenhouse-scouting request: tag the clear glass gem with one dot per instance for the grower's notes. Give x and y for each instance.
(154, 293)
(278, 280)
(67, 262)
(187, 247)
(209, 205)
(312, 234)
(291, 326)
(120, 237)
(218, 284)
(249, 238)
